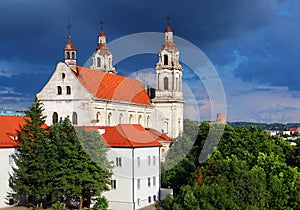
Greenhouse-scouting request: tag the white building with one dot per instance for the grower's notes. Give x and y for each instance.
(8, 136)
(135, 152)
(97, 96)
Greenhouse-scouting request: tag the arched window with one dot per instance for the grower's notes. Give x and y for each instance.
(98, 62)
(68, 90)
(130, 119)
(140, 119)
(73, 55)
(59, 90)
(109, 118)
(166, 60)
(148, 122)
(63, 75)
(68, 55)
(55, 118)
(98, 116)
(166, 83)
(74, 118)
(166, 127)
(120, 118)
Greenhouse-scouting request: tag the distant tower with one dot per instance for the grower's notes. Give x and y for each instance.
(168, 94)
(70, 51)
(102, 58)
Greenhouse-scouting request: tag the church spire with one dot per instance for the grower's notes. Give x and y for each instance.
(70, 51)
(102, 58)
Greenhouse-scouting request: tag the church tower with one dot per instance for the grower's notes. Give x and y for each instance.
(102, 58)
(168, 94)
(70, 52)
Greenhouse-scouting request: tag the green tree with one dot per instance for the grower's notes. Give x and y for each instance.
(248, 170)
(79, 175)
(31, 174)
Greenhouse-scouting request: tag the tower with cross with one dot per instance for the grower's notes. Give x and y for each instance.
(70, 51)
(102, 58)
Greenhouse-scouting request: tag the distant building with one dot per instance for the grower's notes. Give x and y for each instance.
(10, 112)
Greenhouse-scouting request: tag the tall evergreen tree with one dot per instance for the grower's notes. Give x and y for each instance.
(31, 174)
(78, 175)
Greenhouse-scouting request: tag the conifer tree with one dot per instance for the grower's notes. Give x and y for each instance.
(31, 174)
(78, 175)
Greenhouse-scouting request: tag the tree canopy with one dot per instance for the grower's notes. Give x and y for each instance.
(58, 163)
(248, 170)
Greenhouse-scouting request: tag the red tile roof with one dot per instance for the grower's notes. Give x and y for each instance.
(127, 135)
(69, 46)
(101, 33)
(168, 29)
(9, 125)
(112, 87)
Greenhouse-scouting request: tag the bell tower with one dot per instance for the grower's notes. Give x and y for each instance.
(70, 51)
(102, 58)
(168, 94)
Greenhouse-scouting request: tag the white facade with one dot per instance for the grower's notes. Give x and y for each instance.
(66, 95)
(136, 180)
(6, 165)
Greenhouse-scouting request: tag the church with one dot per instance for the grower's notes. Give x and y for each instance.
(137, 124)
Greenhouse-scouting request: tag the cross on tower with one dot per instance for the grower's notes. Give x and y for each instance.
(168, 20)
(69, 26)
(101, 25)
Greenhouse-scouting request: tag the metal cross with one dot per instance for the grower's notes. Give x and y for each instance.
(101, 25)
(168, 20)
(69, 26)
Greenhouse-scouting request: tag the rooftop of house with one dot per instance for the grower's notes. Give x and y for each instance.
(129, 135)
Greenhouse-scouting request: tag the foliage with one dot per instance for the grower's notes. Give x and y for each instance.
(31, 176)
(101, 204)
(77, 175)
(248, 170)
(58, 206)
(54, 164)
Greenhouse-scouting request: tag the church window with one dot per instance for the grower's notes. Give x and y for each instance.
(59, 90)
(68, 55)
(109, 118)
(63, 75)
(74, 118)
(68, 90)
(166, 83)
(98, 116)
(148, 122)
(130, 119)
(73, 55)
(98, 62)
(165, 130)
(140, 119)
(166, 60)
(120, 118)
(55, 118)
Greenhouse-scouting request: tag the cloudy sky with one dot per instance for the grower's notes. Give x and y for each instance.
(254, 47)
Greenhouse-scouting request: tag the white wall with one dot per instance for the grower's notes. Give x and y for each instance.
(6, 169)
(127, 195)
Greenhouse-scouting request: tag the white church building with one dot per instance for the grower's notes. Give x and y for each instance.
(97, 96)
(136, 126)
